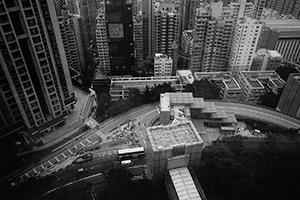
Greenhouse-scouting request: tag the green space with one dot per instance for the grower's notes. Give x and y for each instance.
(250, 168)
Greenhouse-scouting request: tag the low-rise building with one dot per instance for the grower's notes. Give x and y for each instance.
(185, 106)
(255, 83)
(265, 59)
(229, 87)
(162, 65)
(186, 76)
(119, 85)
(174, 146)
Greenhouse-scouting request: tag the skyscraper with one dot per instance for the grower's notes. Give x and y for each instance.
(244, 44)
(147, 15)
(165, 28)
(35, 85)
(119, 25)
(102, 41)
(257, 9)
(213, 30)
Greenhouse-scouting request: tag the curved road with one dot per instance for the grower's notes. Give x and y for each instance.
(145, 114)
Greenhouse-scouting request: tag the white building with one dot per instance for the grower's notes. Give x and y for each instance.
(244, 44)
(162, 65)
(266, 59)
(102, 43)
(241, 9)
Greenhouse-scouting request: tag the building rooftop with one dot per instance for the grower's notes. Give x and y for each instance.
(186, 76)
(283, 25)
(181, 98)
(231, 84)
(255, 83)
(163, 137)
(296, 76)
(213, 75)
(145, 79)
(274, 53)
(165, 102)
(184, 184)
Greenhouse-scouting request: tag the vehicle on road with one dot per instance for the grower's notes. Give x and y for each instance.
(81, 170)
(126, 163)
(131, 154)
(84, 158)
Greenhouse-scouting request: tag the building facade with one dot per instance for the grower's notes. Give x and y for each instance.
(282, 35)
(212, 39)
(147, 15)
(256, 83)
(119, 26)
(165, 29)
(285, 7)
(265, 59)
(289, 101)
(36, 89)
(257, 9)
(244, 44)
(102, 42)
(162, 65)
(138, 43)
(119, 85)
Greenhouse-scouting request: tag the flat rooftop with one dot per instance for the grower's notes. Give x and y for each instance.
(184, 184)
(163, 137)
(181, 98)
(165, 102)
(231, 84)
(283, 25)
(212, 75)
(254, 83)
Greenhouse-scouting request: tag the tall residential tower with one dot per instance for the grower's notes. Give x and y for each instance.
(35, 85)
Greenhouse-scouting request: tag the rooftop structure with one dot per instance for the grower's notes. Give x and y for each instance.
(186, 76)
(182, 183)
(173, 146)
(163, 137)
(230, 89)
(256, 83)
(119, 85)
(189, 107)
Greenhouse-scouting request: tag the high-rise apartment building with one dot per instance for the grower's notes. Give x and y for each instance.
(289, 101)
(212, 39)
(162, 65)
(282, 35)
(147, 15)
(285, 6)
(73, 6)
(241, 8)
(119, 25)
(188, 13)
(102, 42)
(187, 41)
(257, 9)
(79, 36)
(35, 85)
(244, 44)
(265, 59)
(138, 35)
(165, 28)
(67, 29)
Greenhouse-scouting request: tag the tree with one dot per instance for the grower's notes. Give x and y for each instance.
(135, 97)
(103, 103)
(285, 70)
(118, 107)
(270, 99)
(204, 88)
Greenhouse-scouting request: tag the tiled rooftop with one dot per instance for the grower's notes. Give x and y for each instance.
(184, 184)
(181, 98)
(162, 137)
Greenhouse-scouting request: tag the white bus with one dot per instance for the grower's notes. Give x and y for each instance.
(132, 153)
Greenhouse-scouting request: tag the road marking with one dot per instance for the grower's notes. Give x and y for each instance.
(82, 144)
(63, 155)
(70, 151)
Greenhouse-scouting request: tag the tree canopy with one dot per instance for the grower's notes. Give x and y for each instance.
(204, 88)
(284, 71)
(270, 99)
